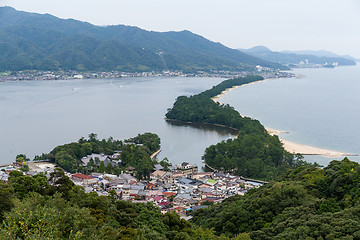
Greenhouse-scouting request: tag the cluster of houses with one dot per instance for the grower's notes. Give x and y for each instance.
(63, 75)
(107, 159)
(180, 189)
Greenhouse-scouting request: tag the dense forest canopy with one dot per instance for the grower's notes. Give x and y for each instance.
(305, 203)
(34, 207)
(30, 41)
(201, 108)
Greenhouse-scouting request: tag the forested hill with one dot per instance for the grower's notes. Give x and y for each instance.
(306, 203)
(45, 42)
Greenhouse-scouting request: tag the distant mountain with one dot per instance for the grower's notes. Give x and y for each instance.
(257, 49)
(292, 58)
(44, 42)
(320, 53)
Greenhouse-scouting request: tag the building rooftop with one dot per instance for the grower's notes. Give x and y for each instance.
(83, 176)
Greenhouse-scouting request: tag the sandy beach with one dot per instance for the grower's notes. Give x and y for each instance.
(218, 97)
(294, 148)
(309, 150)
(289, 146)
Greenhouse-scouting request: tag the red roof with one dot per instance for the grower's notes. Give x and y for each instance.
(168, 194)
(158, 198)
(180, 208)
(83, 176)
(163, 203)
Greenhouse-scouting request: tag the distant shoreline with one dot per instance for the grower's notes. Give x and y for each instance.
(290, 146)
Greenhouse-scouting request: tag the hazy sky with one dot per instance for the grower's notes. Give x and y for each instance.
(278, 24)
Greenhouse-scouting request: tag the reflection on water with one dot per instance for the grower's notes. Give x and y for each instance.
(186, 142)
(222, 131)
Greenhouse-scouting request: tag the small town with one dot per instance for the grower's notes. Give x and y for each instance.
(69, 75)
(181, 189)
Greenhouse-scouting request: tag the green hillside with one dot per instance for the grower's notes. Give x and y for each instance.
(45, 42)
(306, 203)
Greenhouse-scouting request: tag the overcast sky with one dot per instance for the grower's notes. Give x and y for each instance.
(278, 24)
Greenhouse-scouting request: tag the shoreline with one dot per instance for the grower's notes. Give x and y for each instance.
(290, 146)
(155, 154)
(219, 96)
(303, 149)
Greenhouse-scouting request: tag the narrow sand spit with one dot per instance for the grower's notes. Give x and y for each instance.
(293, 147)
(289, 146)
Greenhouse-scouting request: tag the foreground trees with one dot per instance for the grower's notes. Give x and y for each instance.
(31, 209)
(305, 203)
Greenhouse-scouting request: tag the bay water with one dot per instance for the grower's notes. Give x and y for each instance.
(320, 109)
(36, 116)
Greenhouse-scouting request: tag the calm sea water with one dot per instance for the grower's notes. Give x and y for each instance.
(321, 109)
(36, 116)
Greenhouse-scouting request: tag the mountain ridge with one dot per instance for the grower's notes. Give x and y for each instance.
(45, 35)
(293, 58)
(319, 53)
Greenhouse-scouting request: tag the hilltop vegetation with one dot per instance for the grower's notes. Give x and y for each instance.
(305, 203)
(30, 41)
(35, 208)
(135, 152)
(254, 153)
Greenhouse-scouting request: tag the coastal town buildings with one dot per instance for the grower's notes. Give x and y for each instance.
(181, 190)
(68, 75)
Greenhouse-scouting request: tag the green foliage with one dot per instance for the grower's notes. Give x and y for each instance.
(135, 152)
(202, 109)
(25, 168)
(165, 163)
(6, 195)
(21, 158)
(31, 219)
(306, 203)
(250, 155)
(24, 185)
(64, 211)
(150, 140)
(61, 182)
(102, 167)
